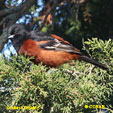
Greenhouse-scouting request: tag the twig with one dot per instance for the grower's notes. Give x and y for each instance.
(77, 10)
(90, 70)
(72, 74)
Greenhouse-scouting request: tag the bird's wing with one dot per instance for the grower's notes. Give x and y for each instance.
(39, 36)
(52, 42)
(59, 45)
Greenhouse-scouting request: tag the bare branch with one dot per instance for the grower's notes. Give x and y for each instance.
(23, 7)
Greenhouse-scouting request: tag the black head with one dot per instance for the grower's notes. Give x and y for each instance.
(17, 29)
(17, 33)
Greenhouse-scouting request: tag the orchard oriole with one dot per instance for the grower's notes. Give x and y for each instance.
(51, 50)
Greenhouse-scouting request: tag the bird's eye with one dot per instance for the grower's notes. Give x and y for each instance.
(12, 32)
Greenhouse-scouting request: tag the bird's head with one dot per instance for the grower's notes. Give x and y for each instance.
(17, 31)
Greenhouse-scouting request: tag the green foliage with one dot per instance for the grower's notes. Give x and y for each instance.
(100, 49)
(66, 89)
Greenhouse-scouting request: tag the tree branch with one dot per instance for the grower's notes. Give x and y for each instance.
(3, 39)
(23, 7)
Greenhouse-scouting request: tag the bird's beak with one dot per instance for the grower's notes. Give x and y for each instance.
(11, 36)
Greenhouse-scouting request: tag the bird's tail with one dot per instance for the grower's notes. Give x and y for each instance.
(89, 60)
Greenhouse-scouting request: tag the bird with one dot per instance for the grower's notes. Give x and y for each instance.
(50, 49)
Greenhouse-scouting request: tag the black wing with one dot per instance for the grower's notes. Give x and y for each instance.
(53, 44)
(59, 46)
(39, 36)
